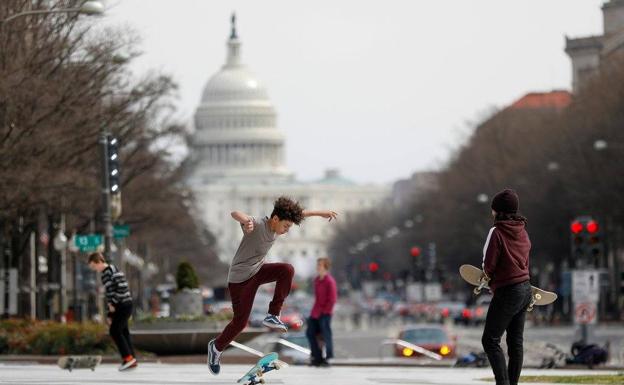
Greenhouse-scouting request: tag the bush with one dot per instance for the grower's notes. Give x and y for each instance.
(37, 337)
(186, 278)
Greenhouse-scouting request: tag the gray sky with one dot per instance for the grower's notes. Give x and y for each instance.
(378, 89)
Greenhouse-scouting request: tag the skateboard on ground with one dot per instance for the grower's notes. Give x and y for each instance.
(79, 362)
(265, 364)
(475, 276)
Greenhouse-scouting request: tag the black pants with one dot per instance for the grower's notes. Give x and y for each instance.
(320, 326)
(507, 312)
(119, 328)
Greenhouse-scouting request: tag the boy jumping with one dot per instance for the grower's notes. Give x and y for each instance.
(248, 271)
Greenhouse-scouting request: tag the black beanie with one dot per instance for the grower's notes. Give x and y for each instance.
(506, 201)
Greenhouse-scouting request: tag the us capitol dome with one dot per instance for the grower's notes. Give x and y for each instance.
(236, 134)
(237, 162)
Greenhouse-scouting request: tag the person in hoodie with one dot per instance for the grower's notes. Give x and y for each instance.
(506, 264)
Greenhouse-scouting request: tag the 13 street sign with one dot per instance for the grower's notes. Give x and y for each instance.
(88, 243)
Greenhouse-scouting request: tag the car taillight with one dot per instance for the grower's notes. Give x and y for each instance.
(479, 311)
(466, 313)
(407, 352)
(445, 312)
(445, 350)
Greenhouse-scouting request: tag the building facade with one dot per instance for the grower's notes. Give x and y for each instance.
(586, 53)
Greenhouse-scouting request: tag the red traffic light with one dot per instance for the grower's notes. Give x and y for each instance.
(415, 251)
(592, 227)
(373, 267)
(576, 227)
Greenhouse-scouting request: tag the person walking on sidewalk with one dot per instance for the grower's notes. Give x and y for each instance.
(248, 271)
(119, 303)
(506, 264)
(319, 323)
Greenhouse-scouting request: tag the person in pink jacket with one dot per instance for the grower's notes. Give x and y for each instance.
(325, 295)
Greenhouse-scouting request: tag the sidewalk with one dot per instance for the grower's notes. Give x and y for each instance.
(183, 374)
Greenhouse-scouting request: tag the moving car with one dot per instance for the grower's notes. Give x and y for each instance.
(432, 337)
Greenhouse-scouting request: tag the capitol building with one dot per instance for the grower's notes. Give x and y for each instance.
(237, 162)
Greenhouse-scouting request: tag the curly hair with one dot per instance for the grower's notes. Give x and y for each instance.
(288, 209)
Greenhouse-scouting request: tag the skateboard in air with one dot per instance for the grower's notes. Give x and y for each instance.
(265, 364)
(79, 362)
(476, 277)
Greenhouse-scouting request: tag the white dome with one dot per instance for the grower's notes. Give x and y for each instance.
(236, 135)
(234, 83)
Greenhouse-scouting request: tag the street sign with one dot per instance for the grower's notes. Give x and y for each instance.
(121, 231)
(585, 286)
(585, 313)
(88, 243)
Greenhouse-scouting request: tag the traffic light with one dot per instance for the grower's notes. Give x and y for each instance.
(587, 244)
(578, 239)
(415, 251)
(112, 160)
(594, 241)
(373, 267)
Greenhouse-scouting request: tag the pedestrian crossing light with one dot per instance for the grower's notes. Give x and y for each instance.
(114, 176)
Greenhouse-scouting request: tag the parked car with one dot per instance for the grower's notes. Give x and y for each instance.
(292, 318)
(432, 337)
(476, 314)
(450, 310)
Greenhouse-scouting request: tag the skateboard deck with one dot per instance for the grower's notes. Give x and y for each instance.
(265, 364)
(79, 362)
(476, 277)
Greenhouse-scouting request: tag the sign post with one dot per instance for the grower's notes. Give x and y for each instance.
(585, 296)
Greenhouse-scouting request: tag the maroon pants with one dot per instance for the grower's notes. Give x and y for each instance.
(244, 293)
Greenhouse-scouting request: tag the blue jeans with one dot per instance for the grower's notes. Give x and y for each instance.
(320, 326)
(507, 312)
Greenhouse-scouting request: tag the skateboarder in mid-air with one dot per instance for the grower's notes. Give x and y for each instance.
(119, 303)
(506, 264)
(248, 271)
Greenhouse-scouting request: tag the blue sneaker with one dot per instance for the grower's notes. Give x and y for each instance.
(213, 358)
(274, 322)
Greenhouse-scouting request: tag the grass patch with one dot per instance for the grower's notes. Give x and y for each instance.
(591, 379)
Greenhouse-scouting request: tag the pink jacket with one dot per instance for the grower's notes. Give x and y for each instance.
(325, 295)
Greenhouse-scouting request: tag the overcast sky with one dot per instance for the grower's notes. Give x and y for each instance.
(378, 89)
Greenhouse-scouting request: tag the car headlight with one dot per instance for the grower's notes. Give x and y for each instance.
(407, 352)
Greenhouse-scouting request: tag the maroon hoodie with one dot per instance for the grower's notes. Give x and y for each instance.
(506, 254)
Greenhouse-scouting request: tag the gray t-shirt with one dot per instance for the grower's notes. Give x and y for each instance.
(251, 252)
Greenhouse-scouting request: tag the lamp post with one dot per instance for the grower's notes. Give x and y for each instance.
(89, 8)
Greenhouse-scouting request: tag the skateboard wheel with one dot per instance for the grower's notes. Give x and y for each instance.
(476, 291)
(277, 365)
(538, 296)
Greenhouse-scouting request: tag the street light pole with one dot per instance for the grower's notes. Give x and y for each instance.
(106, 198)
(87, 8)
